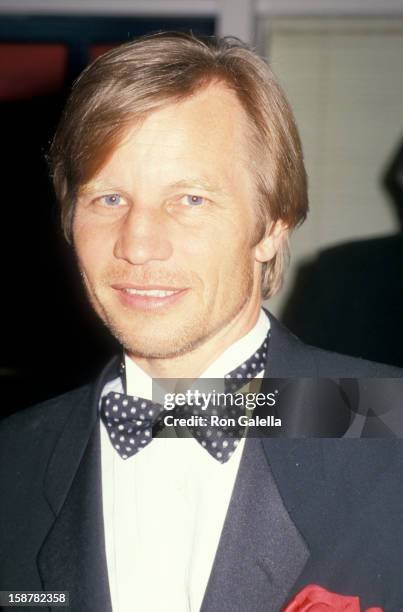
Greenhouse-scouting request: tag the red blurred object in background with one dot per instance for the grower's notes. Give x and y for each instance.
(31, 69)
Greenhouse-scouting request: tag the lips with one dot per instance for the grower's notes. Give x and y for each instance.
(149, 292)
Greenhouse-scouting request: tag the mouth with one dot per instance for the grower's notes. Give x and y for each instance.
(150, 297)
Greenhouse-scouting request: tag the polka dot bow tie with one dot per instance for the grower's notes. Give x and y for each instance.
(130, 420)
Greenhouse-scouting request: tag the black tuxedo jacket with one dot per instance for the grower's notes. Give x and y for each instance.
(323, 511)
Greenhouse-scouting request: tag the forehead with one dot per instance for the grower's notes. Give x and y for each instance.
(204, 134)
(213, 111)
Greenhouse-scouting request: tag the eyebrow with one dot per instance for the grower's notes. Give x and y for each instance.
(198, 182)
(92, 187)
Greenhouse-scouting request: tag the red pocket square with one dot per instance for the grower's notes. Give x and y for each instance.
(314, 598)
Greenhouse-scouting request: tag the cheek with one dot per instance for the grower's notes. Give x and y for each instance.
(204, 252)
(89, 249)
(214, 250)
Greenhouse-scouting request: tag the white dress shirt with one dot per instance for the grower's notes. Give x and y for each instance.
(164, 508)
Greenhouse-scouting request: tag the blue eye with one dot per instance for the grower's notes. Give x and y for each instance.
(194, 200)
(112, 200)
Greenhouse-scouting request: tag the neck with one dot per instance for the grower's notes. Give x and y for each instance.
(195, 362)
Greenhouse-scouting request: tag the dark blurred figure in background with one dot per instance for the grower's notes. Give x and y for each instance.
(350, 299)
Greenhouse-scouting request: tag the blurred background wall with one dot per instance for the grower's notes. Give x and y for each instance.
(344, 79)
(341, 65)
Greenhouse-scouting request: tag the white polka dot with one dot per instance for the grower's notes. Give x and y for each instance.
(235, 443)
(208, 433)
(203, 443)
(257, 355)
(107, 413)
(115, 408)
(147, 434)
(219, 455)
(151, 412)
(113, 434)
(225, 444)
(108, 401)
(124, 456)
(124, 415)
(143, 405)
(244, 366)
(117, 446)
(253, 365)
(133, 410)
(128, 448)
(116, 396)
(138, 423)
(249, 376)
(131, 440)
(214, 444)
(239, 375)
(143, 441)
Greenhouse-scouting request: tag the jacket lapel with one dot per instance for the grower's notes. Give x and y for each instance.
(261, 553)
(72, 557)
(287, 356)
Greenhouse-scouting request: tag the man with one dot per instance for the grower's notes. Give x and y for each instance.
(180, 175)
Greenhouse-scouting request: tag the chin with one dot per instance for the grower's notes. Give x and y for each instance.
(155, 340)
(161, 346)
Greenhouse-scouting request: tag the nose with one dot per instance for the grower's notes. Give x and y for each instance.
(143, 236)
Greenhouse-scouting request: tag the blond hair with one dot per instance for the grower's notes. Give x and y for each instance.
(132, 80)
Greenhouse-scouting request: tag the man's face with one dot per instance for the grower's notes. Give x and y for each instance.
(163, 233)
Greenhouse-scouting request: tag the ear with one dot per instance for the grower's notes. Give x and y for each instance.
(268, 246)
